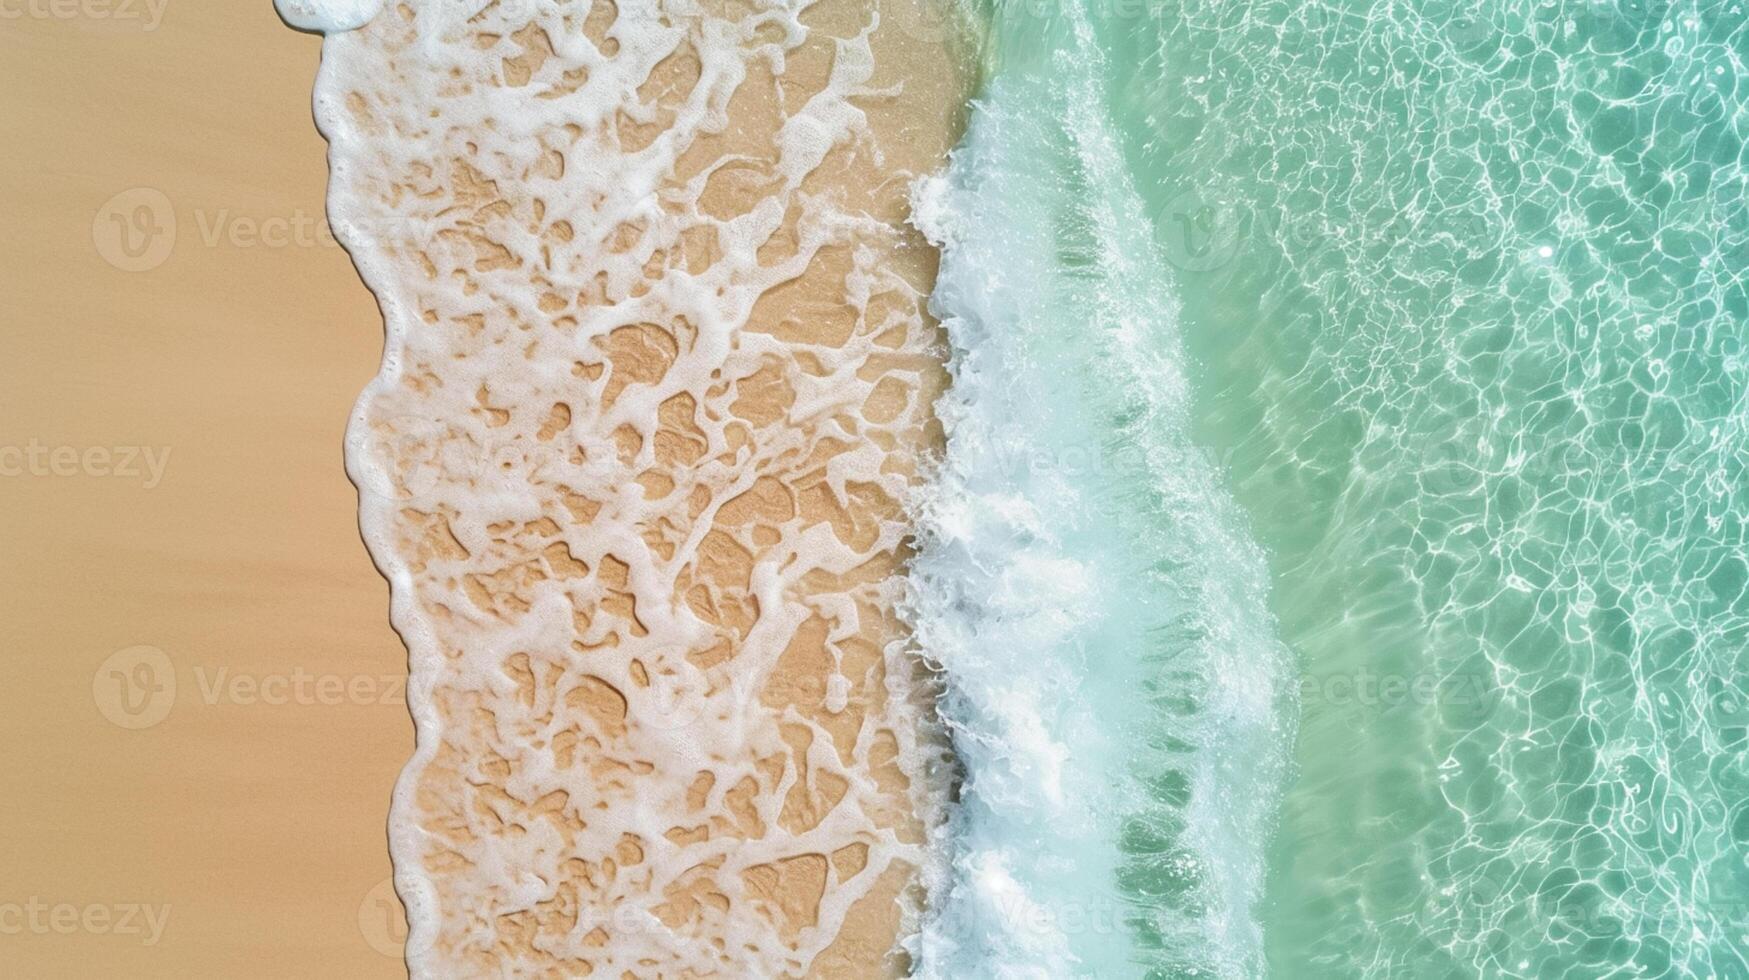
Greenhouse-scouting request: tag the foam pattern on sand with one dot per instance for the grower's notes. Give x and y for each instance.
(658, 370)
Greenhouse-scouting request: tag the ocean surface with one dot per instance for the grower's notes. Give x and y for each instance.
(1337, 566)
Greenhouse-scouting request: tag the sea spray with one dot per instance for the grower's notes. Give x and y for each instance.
(1114, 688)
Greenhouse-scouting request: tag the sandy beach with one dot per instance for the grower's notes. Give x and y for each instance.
(203, 662)
(170, 478)
(660, 376)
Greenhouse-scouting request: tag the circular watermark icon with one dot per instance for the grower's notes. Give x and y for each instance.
(402, 457)
(1202, 233)
(382, 921)
(135, 231)
(135, 688)
(929, 21)
(675, 699)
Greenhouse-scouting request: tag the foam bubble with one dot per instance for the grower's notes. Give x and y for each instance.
(653, 388)
(1117, 694)
(327, 16)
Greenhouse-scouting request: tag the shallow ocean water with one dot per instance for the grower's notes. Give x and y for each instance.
(1415, 513)
(1118, 697)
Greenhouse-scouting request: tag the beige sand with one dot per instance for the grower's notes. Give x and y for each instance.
(259, 826)
(776, 755)
(203, 530)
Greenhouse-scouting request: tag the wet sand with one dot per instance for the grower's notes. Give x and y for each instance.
(206, 694)
(660, 379)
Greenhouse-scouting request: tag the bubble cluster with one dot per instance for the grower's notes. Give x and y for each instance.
(658, 375)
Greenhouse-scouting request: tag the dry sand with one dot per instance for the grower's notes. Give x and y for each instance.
(260, 827)
(244, 816)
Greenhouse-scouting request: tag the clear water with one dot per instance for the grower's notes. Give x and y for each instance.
(1407, 340)
(1118, 697)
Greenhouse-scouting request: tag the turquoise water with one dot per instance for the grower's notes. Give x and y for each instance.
(1345, 501)
(1119, 699)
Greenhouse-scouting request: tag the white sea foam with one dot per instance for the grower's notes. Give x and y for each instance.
(605, 543)
(1116, 693)
(327, 16)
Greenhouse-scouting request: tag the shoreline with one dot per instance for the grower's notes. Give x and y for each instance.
(650, 595)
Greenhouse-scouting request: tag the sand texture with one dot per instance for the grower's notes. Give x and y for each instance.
(253, 822)
(658, 381)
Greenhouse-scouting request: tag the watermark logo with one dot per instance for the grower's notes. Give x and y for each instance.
(299, 688)
(382, 921)
(1202, 233)
(135, 688)
(1368, 690)
(300, 229)
(148, 14)
(36, 917)
(36, 459)
(674, 700)
(929, 21)
(1465, 26)
(135, 231)
(680, 696)
(935, 21)
(402, 457)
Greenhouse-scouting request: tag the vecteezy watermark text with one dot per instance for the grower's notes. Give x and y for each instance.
(1374, 690)
(137, 229)
(147, 13)
(36, 917)
(298, 688)
(36, 459)
(137, 687)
